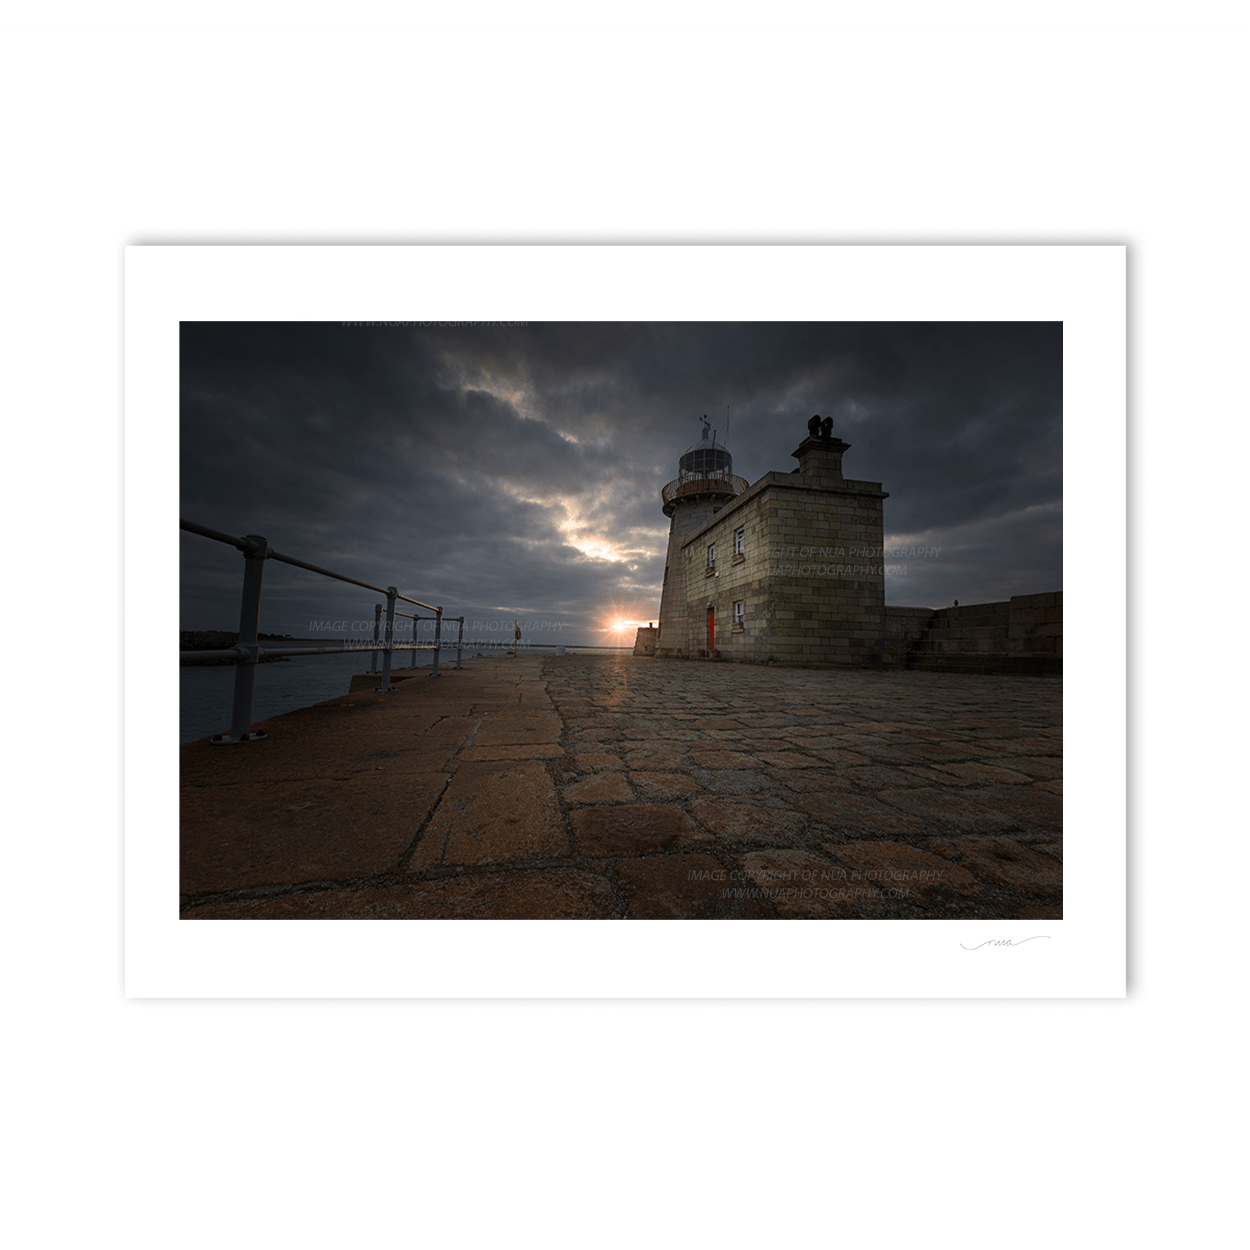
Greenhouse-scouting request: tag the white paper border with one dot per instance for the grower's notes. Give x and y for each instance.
(1082, 956)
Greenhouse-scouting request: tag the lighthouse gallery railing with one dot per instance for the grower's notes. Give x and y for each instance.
(715, 482)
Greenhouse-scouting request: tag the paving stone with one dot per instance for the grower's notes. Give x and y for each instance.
(498, 729)
(845, 811)
(1046, 768)
(630, 829)
(923, 760)
(545, 894)
(308, 754)
(601, 788)
(659, 761)
(931, 775)
(730, 818)
(799, 885)
(493, 813)
(940, 846)
(672, 887)
(813, 781)
(734, 780)
(1005, 862)
(874, 777)
(789, 759)
(1024, 803)
(926, 878)
(860, 743)
(538, 894)
(594, 761)
(944, 810)
(813, 758)
(938, 752)
(1036, 745)
(506, 751)
(705, 758)
(456, 727)
(655, 786)
(893, 755)
(283, 833)
(1040, 912)
(985, 774)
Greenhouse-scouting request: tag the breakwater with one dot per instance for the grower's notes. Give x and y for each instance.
(614, 786)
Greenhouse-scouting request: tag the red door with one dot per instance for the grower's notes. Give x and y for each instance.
(711, 630)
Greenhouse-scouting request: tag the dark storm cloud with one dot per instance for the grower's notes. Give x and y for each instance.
(491, 469)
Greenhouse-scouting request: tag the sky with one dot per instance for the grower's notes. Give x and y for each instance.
(513, 472)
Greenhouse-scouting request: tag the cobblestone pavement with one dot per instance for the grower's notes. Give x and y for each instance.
(625, 787)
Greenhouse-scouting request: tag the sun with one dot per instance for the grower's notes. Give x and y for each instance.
(618, 623)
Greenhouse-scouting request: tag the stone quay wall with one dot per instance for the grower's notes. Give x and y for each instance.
(1022, 634)
(644, 640)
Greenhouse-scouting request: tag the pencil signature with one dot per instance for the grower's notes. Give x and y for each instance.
(1003, 942)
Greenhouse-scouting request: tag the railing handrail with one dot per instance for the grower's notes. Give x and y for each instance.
(248, 652)
(236, 653)
(694, 483)
(270, 554)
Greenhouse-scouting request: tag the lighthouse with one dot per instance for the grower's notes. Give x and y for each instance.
(705, 483)
(788, 569)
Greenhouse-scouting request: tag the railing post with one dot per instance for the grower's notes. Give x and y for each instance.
(377, 629)
(460, 642)
(249, 625)
(438, 637)
(385, 687)
(415, 620)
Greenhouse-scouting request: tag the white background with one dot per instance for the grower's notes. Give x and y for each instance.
(256, 1123)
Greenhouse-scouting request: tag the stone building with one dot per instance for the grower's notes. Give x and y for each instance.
(786, 569)
(791, 569)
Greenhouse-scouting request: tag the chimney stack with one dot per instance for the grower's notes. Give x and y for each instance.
(820, 454)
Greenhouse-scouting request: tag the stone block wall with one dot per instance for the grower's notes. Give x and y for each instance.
(810, 576)
(1035, 626)
(1023, 635)
(676, 633)
(904, 629)
(732, 579)
(827, 581)
(644, 640)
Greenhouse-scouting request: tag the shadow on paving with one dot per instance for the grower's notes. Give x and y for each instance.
(614, 787)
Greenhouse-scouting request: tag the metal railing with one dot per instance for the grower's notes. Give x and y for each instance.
(714, 482)
(248, 652)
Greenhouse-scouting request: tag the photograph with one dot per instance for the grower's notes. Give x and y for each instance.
(660, 464)
(636, 620)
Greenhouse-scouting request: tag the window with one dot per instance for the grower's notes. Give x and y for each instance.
(740, 541)
(711, 556)
(740, 614)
